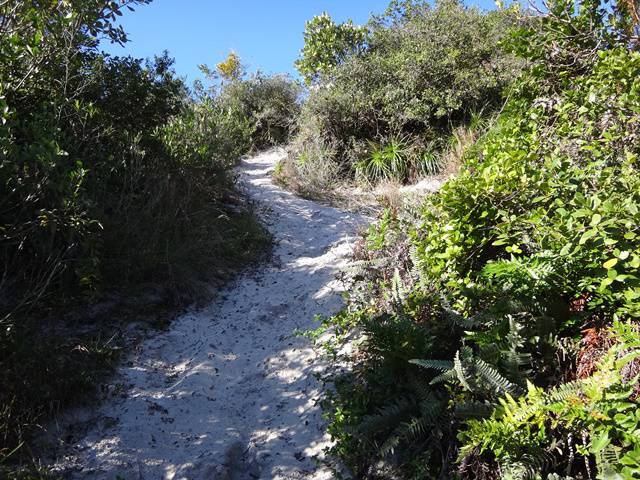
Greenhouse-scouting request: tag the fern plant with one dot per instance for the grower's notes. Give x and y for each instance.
(473, 373)
(408, 424)
(594, 419)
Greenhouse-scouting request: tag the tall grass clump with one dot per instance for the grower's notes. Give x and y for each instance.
(498, 319)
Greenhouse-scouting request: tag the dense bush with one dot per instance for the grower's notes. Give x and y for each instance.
(270, 103)
(114, 157)
(208, 130)
(112, 178)
(71, 142)
(512, 294)
(423, 72)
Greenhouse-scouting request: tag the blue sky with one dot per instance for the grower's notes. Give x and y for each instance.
(267, 34)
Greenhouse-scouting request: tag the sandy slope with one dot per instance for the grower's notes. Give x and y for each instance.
(228, 392)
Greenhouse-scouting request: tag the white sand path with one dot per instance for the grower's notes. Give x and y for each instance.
(228, 391)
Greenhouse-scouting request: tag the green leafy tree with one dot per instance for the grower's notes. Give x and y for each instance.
(327, 44)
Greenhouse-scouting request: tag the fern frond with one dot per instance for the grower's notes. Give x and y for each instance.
(448, 376)
(566, 391)
(417, 428)
(529, 466)
(606, 459)
(457, 319)
(431, 410)
(495, 379)
(469, 410)
(364, 264)
(439, 365)
(512, 358)
(538, 271)
(461, 372)
(386, 417)
(421, 387)
(414, 429)
(397, 287)
(389, 446)
(539, 461)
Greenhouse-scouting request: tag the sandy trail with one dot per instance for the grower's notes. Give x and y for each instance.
(228, 391)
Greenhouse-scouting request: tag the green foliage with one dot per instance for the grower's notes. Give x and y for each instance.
(389, 108)
(326, 45)
(390, 161)
(111, 178)
(207, 133)
(269, 104)
(574, 240)
(258, 111)
(430, 65)
(71, 148)
(514, 289)
(595, 411)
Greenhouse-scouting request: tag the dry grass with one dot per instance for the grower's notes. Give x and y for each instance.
(57, 358)
(311, 171)
(452, 159)
(329, 186)
(311, 175)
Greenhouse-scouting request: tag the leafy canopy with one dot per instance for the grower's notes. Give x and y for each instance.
(326, 45)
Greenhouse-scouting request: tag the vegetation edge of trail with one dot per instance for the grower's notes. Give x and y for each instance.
(118, 199)
(496, 321)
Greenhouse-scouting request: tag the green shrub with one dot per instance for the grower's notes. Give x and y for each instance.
(579, 233)
(207, 134)
(389, 161)
(428, 65)
(271, 105)
(519, 276)
(423, 72)
(111, 179)
(53, 140)
(116, 157)
(315, 165)
(268, 105)
(326, 45)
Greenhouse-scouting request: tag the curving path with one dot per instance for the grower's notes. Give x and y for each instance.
(228, 392)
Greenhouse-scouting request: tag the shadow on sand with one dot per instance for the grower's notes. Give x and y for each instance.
(229, 391)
